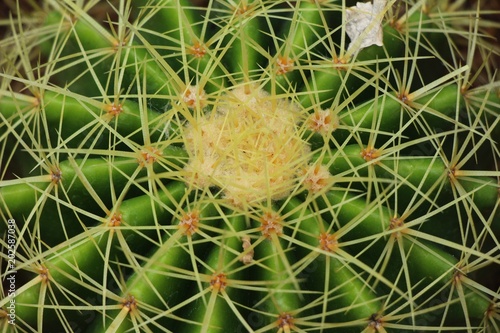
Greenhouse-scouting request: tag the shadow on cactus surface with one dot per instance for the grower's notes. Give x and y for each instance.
(249, 166)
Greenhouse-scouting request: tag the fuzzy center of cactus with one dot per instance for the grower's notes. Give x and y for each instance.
(250, 147)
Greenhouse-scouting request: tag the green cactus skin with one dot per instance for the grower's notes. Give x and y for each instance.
(239, 167)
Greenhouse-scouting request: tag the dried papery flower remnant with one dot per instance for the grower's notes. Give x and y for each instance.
(364, 21)
(248, 256)
(250, 147)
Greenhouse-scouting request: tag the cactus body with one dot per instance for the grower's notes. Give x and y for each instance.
(245, 166)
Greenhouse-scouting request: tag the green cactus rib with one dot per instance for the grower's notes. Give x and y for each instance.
(74, 116)
(112, 222)
(159, 282)
(187, 39)
(425, 260)
(179, 22)
(327, 81)
(304, 30)
(247, 29)
(302, 37)
(281, 301)
(72, 177)
(75, 176)
(420, 174)
(81, 258)
(435, 108)
(86, 38)
(338, 75)
(353, 293)
(83, 35)
(218, 314)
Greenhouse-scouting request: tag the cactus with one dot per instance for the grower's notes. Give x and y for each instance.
(249, 166)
